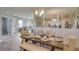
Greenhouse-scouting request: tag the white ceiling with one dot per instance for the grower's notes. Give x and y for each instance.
(27, 12)
(17, 11)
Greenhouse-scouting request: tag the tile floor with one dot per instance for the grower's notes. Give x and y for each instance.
(11, 44)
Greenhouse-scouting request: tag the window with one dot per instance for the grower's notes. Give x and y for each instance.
(20, 23)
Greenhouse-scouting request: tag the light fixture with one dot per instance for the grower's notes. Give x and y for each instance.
(42, 12)
(36, 12)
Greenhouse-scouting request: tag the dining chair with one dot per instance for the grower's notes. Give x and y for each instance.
(71, 45)
(24, 32)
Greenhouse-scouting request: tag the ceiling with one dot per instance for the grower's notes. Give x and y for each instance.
(17, 11)
(27, 12)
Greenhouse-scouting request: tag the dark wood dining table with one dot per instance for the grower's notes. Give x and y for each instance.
(48, 43)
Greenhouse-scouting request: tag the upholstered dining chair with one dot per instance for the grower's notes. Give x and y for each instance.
(71, 45)
(24, 32)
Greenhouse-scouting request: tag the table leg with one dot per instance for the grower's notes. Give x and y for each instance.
(26, 40)
(52, 48)
(24, 49)
(33, 42)
(41, 44)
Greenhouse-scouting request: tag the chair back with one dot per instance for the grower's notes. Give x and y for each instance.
(71, 45)
(24, 32)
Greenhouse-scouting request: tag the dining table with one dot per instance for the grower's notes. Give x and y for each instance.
(52, 44)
